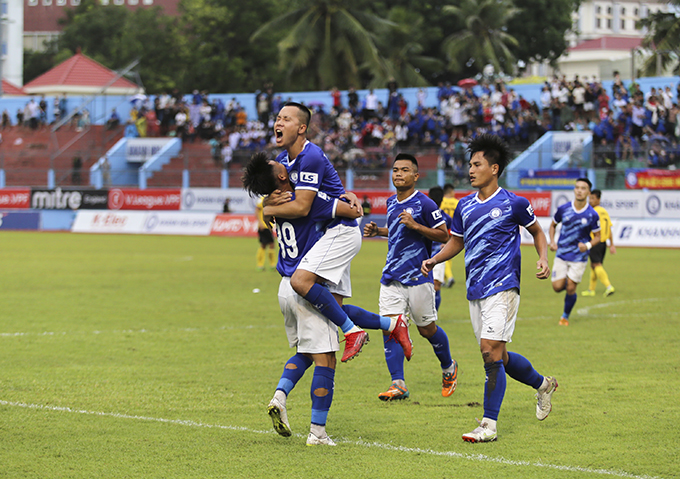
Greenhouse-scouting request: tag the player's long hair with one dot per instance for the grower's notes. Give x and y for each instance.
(258, 175)
(494, 149)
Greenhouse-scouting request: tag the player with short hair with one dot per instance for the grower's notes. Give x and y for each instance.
(598, 251)
(487, 225)
(579, 220)
(413, 223)
(265, 238)
(328, 261)
(448, 206)
(314, 335)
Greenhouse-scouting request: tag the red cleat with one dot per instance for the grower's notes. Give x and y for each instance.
(353, 344)
(400, 334)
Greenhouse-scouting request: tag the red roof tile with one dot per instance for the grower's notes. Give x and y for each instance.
(608, 43)
(79, 70)
(11, 89)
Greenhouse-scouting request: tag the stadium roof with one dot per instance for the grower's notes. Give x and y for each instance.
(608, 43)
(10, 89)
(80, 75)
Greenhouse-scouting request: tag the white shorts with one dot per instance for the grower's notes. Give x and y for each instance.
(306, 328)
(416, 301)
(494, 317)
(439, 272)
(331, 256)
(568, 269)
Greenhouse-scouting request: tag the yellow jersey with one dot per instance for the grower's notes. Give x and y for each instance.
(260, 217)
(605, 224)
(448, 205)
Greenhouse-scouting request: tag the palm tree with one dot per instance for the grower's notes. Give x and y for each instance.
(663, 40)
(401, 46)
(483, 40)
(326, 43)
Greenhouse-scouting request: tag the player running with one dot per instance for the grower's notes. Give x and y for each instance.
(487, 225)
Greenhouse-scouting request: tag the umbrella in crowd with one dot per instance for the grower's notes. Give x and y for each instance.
(467, 83)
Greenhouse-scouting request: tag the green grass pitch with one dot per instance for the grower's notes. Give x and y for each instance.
(150, 356)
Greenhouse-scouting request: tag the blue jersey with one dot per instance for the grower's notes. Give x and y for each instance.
(436, 246)
(407, 249)
(312, 170)
(297, 236)
(491, 234)
(576, 228)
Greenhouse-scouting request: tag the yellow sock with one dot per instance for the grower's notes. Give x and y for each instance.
(260, 257)
(602, 276)
(448, 271)
(593, 280)
(272, 257)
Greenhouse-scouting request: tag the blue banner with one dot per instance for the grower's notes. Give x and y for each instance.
(19, 220)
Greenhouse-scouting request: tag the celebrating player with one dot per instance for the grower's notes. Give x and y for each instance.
(329, 260)
(579, 220)
(413, 223)
(315, 337)
(486, 225)
(598, 251)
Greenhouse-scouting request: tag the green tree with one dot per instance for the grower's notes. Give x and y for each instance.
(325, 43)
(401, 47)
(483, 39)
(663, 40)
(540, 28)
(116, 36)
(222, 59)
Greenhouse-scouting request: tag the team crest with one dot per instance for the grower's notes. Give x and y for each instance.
(294, 176)
(584, 221)
(409, 211)
(496, 213)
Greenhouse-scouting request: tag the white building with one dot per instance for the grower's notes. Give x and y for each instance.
(11, 41)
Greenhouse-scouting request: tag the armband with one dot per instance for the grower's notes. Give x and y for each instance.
(589, 245)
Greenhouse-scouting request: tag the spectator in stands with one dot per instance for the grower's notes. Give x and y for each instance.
(106, 172)
(6, 120)
(76, 169)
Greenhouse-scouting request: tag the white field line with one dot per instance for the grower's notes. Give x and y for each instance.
(586, 310)
(359, 442)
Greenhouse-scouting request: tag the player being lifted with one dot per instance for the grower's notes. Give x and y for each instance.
(312, 174)
(413, 223)
(579, 220)
(487, 225)
(314, 336)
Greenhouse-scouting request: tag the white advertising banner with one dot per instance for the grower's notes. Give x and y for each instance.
(661, 204)
(212, 199)
(623, 204)
(138, 150)
(177, 223)
(657, 234)
(104, 221)
(545, 224)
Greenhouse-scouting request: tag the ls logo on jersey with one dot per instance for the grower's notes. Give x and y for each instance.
(309, 177)
(530, 210)
(496, 213)
(436, 215)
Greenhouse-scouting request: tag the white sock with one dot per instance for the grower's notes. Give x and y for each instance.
(393, 323)
(544, 385)
(355, 329)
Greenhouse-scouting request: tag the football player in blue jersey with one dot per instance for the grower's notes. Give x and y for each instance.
(328, 261)
(413, 223)
(314, 336)
(579, 220)
(487, 225)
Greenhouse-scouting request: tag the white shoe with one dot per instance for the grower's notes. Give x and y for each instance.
(277, 411)
(481, 434)
(543, 398)
(313, 440)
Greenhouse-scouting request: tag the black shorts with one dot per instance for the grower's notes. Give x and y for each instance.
(597, 253)
(265, 236)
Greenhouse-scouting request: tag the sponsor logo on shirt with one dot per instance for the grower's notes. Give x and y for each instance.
(437, 215)
(309, 177)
